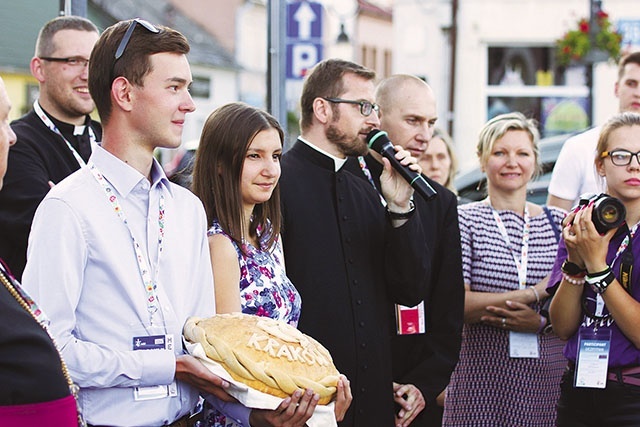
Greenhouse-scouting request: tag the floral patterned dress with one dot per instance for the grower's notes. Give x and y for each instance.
(265, 290)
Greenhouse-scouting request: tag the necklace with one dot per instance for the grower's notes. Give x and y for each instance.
(73, 388)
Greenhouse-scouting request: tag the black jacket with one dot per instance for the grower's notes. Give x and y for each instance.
(427, 360)
(30, 366)
(38, 156)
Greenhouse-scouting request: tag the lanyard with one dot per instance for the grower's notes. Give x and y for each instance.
(53, 128)
(521, 264)
(150, 283)
(367, 173)
(38, 314)
(625, 271)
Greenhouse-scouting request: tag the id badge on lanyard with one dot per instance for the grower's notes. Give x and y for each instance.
(593, 358)
(521, 344)
(154, 342)
(410, 320)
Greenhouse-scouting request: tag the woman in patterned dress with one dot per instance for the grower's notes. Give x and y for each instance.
(236, 174)
(509, 369)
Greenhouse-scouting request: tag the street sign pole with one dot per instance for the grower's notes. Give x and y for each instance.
(276, 64)
(73, 7)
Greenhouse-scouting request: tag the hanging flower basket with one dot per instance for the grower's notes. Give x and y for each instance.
(575, 46)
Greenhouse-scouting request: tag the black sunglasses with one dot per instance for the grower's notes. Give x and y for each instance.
(127, 36)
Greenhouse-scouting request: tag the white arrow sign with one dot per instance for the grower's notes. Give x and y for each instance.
(304, 16)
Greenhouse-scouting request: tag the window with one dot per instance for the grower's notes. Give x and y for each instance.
(526, 79)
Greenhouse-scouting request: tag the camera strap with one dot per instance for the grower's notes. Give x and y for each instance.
(625, 251)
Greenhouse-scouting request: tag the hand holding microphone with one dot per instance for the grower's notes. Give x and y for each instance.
(378, 141)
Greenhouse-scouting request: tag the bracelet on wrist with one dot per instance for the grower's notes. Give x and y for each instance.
(600, 283)
(543, 323)
(574, 280)
(535, 292)
(599, 274)
(402, 215)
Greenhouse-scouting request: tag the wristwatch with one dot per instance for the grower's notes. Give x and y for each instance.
(599, 284)
(572, 269)
(402, 215)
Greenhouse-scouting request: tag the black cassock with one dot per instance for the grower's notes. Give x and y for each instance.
(427, 360)
(349, 263)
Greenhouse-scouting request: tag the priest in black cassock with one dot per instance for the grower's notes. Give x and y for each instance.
(347, 254)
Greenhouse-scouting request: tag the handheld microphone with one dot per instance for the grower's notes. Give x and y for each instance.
(378, 141)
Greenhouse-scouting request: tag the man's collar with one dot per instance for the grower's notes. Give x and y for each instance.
(338, 162)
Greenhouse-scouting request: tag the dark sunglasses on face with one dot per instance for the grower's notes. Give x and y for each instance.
(127, 36)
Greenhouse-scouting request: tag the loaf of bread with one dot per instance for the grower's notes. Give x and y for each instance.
(265, 354)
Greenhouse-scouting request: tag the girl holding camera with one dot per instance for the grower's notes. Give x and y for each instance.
(596, 305)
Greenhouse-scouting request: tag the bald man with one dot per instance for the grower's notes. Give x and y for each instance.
(423, 354)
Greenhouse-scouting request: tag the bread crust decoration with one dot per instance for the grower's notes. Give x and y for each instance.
(265, 354)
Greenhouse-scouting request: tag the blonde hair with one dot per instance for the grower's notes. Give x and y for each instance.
(498, 126)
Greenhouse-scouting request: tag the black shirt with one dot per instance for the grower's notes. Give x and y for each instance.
(39, 156)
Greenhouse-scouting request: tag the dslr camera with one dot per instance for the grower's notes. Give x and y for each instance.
(608, 212)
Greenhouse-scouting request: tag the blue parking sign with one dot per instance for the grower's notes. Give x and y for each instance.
(304, 37)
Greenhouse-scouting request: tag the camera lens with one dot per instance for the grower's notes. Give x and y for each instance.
(608, 213)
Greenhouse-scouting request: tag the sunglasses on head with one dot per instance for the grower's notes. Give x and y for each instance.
(127, 36)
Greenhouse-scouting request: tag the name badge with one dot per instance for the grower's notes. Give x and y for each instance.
(523, 345)
(593, 358)
(154, 342)
(410, 320)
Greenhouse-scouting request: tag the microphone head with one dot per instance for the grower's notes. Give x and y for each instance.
(376, 139)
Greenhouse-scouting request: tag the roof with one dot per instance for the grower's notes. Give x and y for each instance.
(22, 20)
(205, 48)
(367, 8)
(20, 24)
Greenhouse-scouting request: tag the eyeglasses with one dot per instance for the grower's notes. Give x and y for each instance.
(621, 157)
(366, 107)
(74, 61)
(127, 36)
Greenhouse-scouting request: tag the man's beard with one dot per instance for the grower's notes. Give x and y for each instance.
(354, 147)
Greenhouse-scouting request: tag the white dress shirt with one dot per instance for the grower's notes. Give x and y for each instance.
(83, 271)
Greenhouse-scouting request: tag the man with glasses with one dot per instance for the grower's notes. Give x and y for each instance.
(118, 255)
(55, 138)
(574, 173)
(347, 253)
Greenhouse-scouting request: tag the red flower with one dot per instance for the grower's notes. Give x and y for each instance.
(584, 26)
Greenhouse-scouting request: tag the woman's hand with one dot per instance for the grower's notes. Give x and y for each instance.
(585, 245)
(294, 411)
(343, 398)
(515, 317)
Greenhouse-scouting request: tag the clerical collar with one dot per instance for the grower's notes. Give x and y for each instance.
(337, 162)
(67, 129)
